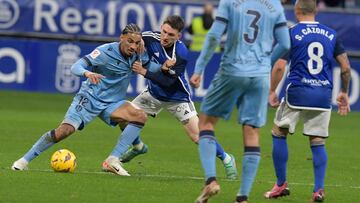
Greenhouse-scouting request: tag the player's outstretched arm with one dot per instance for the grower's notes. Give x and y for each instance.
(276, 76)
(213, 38)
(79, 69)
(343, 98)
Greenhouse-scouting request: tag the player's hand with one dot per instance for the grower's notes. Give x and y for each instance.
(168, 65)
(138, 68)
(195, 80)
(93, 77)
(141, 48)
(343, 104)
(273, 99)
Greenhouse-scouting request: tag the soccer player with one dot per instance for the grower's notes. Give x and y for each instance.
(308, 96)
(242, 80)
(169, 89)
(108, 70)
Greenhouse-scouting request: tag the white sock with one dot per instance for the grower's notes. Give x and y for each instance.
(227, 158)
(139, 146)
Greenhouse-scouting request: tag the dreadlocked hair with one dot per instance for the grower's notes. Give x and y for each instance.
(131, 28)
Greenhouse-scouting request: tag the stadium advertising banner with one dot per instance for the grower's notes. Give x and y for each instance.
(51, 35)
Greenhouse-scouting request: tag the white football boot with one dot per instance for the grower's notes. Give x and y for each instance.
(112, 164)
(20, 165)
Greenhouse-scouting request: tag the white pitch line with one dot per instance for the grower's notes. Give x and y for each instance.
(188, 177)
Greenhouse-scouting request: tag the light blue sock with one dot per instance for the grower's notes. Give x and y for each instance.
(220, 153)
(207, 151)
(43, 143)
(127, 137)
(250, 164)
(280, 158)
(319, 164)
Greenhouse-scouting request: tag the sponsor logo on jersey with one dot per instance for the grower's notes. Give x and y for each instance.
(94, 54)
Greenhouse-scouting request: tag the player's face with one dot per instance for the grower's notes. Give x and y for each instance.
(130, 43)
(168, 35)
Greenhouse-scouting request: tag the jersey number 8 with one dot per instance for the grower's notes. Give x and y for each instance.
(315, 57)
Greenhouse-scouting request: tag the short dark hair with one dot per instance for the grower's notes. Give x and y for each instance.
(307, 6)
(131, 28)
(176, 22)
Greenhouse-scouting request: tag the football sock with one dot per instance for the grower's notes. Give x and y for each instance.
(44, 142)
(207, 151)
(138, 144)
(220, 153)
(319, 164)
(280, 158)
(127, 137)
(250, 165)
(227, 159)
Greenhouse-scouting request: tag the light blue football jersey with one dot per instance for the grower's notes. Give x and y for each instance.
(109, 62)
(250, 35)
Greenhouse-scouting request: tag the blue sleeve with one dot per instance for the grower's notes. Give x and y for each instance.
(339, 48)
(283, 43)
(146, 62)
(165, 79)
(213, 38)
(80, 67)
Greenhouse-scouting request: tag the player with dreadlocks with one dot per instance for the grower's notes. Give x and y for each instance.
(108, 70)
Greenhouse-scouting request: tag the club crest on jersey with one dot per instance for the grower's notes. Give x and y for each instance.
(94, 54)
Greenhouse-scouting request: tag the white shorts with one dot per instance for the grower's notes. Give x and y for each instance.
(152, 106)
(316, 123)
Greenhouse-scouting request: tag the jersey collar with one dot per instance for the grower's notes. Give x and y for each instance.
(309, 22)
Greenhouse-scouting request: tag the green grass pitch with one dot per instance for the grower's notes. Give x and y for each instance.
(170, 172)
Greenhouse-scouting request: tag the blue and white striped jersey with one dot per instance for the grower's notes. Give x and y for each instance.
(164, 86)
(313, 47)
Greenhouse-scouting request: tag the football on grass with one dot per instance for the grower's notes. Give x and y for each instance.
(63, 160)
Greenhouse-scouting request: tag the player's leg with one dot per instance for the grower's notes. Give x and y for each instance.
(316, 124)
(152, 107)
(117, 113)
(319, 165)
(71, 122)
(47, 140)
(218, 102)
(285, 120)
(252, 106)
(207, 151)
(192, 130)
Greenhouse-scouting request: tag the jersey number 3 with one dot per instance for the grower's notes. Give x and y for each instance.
(315, 57)
(254, 26)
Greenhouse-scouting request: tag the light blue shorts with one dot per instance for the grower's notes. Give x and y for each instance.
(85, 108)
(249, 94)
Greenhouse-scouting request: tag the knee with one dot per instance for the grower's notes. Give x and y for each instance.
(139, 115)
(279, 132)
(316, 141)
